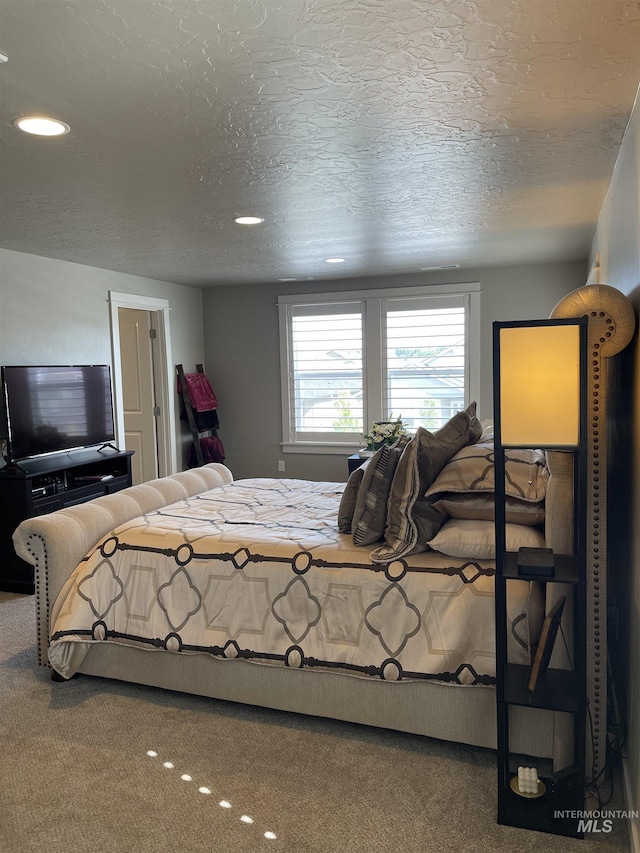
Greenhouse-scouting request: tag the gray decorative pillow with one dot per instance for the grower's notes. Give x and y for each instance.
(437, 448)
(348, 499)
(428, 520)
(475, 426)
(370, 513)
(423, 459)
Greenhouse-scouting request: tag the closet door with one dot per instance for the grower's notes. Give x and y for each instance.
(138, 392)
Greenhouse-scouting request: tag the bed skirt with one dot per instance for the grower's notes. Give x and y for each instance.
(444, 711)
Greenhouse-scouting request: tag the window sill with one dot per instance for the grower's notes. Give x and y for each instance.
(317, 448)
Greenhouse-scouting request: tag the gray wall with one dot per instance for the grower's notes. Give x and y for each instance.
(54, 312)
(617, 242)
(243, 361)
(57, 312)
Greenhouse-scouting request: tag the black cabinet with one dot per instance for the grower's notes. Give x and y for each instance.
(41, 485)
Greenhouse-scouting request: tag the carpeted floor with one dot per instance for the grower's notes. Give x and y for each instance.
(77, 776)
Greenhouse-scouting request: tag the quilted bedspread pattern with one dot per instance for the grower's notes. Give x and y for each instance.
(256, 570)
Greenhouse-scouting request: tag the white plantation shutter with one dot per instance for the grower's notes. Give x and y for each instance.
(326, 372)
(350, 359)
(425, 352)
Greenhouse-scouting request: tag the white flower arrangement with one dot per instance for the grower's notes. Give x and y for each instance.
(384, 432)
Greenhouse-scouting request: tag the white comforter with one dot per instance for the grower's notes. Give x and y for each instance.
(257, 570)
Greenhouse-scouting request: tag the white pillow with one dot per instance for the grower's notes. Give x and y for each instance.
(460, 537)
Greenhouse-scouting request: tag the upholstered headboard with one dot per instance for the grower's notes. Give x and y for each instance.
(611, 327)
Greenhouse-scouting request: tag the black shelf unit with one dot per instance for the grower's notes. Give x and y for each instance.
(559, 690)
(41, 485)
(566, 570)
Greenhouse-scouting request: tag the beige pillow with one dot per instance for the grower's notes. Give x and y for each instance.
(348, 499)
(472, 470)
(370, 512)
(481, 506)
(423, 458)
(476, 540)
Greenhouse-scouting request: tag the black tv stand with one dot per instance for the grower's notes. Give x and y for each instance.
(13, 465)
(43, 484)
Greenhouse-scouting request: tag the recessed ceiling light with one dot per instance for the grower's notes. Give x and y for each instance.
(4, 57)
(248, 220)
(334, 260)
(441, 267)
(42, 126)
(287, 279)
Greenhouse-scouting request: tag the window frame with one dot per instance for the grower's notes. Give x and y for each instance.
(373, 302)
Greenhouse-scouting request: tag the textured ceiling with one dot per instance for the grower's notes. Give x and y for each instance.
(398, 134)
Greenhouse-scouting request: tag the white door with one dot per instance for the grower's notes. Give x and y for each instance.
(138, 397)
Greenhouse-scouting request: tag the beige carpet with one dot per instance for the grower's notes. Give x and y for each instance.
(76, 776)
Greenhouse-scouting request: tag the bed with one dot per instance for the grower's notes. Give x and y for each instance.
(370, 602)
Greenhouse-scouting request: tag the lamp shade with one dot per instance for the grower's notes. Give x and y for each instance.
(540, 385)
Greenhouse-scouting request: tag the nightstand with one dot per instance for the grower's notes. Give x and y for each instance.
(354, 461)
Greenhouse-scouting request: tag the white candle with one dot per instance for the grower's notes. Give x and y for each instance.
(527, 780)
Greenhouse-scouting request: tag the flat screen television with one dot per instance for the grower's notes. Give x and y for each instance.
(54, 408)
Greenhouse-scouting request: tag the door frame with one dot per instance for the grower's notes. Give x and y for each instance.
(163, 374)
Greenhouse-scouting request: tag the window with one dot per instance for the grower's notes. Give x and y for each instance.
(353, 358)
